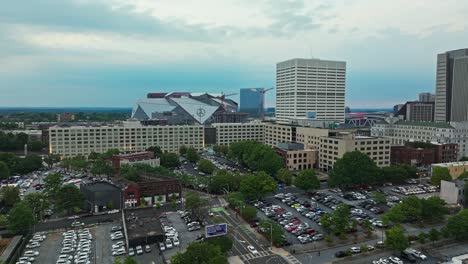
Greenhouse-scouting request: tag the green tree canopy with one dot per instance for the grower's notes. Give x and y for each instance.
(51, 159)
(195, 203)
(223, 181)
(101, 167)
(93, 156)
(129, 260)
(235, 199)
(206, 166)
(38, 202)
(192, 155)
(379, 197)
(396, 239)
(249, 213)
(183, 150)
(439, 174)
(169, 160)
(4, 171)
(69, 198)
(307, 180)
(354, 169)
(285, 176)
(20, 218)
(464, 175)
(395, 174)
(130, 173)
(223, 242)
(413, 209)
(457, 225)
(272, 231)
(220, 149)
(200, 252)
(256, 156)
(255, 186)
(52, 184)
(10, 195)
(156, 150)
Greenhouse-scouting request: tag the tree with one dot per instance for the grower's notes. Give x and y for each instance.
(4, 171)
(396, 214)
(395, 174)
(354, 169)
(10, 195)
(411, 171)
(69, 198)
(200, 252)
(341, 218)
(256, 156)
(101, 166)
(117, 260)
(396, 239)
(35, 145)
(28, 164)
(3, 220)
(109, 153)
(51, 159)
(249, 213)
(255, 186)
(78, 162)
(206, 166)
(440, 174)
(224, 181)
(272, 230)
(182, 150)
(434, 235)
(52, 185)
(457, 225)
(195, 203)
(235, 199)
(94, 156)
(156, 150)
(38, 202)
(223, 242)
(307, 180)
(379, 197)
(130, 173)
(433, 209)
(464, 159)
(169, 160)
(192, 155)
(20, 218)
(464, 175)
(129, 260)
(285, 176)
(367, 227)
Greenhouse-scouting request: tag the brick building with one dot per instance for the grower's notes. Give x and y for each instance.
(424, 154)
(146, 157)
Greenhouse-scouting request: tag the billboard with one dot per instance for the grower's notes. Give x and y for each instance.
(216, 230)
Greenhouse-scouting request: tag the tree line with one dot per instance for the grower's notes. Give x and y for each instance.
(13, 142)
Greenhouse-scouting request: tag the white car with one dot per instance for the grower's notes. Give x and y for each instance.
(73, 217)
(252, 250)
(131, 252)
(355, 250)
(117, 237)
(63, 261)
(66, 250)
(33, 245)
(66, 256)
(119, 243)
(169, 243)
(31, 253)
(118, 252)
(176, 242)
(139, 250)
(395, 260)
(26, 259)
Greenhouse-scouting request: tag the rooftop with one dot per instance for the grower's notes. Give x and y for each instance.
(449, 164)
(425, 124)
(100, 186)
(143, 222)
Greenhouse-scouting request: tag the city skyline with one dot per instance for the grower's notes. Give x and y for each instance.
(108, 53)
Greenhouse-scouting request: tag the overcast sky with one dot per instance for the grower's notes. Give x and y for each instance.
(112, 52)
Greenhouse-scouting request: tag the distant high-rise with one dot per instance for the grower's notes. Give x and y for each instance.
(452, 86)
(310, 88)
(251, 101)
(426, 97)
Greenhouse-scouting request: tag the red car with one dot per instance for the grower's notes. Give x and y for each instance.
(310, 231)
(290, 229)
(279, 210)
(296, 222)
(35, 185)
(253, 224)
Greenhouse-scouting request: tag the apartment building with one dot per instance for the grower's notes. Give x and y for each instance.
(227, 133)
(310, 88)
(296, 157)
(400, 132)
(277, 133)
(334, 147)
(127, 137)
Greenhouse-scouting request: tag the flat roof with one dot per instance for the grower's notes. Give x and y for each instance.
(449, 164)
(142, 222)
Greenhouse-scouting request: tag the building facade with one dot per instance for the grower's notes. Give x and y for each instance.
(145, 157)
(296, 157)
(400, 132)
(251, 101)
(453, 193)
(455, 168)
(227, 133)
(101, 196)
(277, 133)
(417, 111)
(424, 156)
(426, 97)
(452, 86)
(127, 137)
(334, 147)
(310, 88)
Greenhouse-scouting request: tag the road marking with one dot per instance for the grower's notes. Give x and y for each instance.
(250, 256)
(292, 259)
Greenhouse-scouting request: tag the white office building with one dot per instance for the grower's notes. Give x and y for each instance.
(310, 88)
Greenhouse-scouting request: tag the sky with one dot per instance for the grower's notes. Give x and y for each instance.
(110, 53)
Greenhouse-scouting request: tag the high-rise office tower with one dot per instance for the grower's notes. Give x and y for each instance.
(252, 101)
(426, 97)
(452, 86)
(310, 88)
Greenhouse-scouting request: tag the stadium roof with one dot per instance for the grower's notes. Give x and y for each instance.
(198, 110)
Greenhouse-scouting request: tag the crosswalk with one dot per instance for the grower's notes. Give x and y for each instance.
(260, 254)
(291, 259)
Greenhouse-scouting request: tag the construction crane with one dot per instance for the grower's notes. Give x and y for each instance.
(223, 97)
(262, 91)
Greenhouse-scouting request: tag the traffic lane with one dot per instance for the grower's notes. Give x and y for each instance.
(272, 259)
(240, 234)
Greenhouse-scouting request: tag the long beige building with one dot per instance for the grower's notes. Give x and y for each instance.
(333, 148)
(127, 137)
(227, 133)
(276, 133)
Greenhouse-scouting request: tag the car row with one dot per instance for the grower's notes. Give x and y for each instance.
(170, 233)
(191, 222)
(118, 246)
(36, 240)
(415, 189)
(78, 243)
